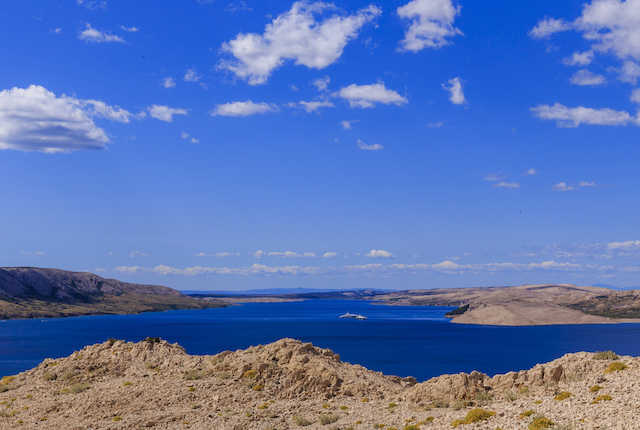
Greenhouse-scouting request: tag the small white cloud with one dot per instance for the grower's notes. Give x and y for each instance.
(234, 7)
(137, 254)
(165, 113)
(374, 147)
(192, 75)
(309, 254)
(586, 184)
(585, 77)
(493, 177)
(93, 4)
(573, 117)
(629, 72)
(130, 29)
(243, 109)
(169, 82)
(347, 124)
(330, 255)
(100, 270)
(367, 96)
(579, 59)
(530, 172)
(294, 88)
(259, 254)
(435, 124)
(201, 254)
(506, 185)
(291, 254)
(184, 135)
(466, 255)
(549, 26)
(562, 186)
(455, 91)
(194, 140)
(313, 105)
(431, 24)
(635, 95)
(379, 253)
(32, 253)
(322, 83)
(416, 256)
(90, 34)
(295, 35)
(56, 31)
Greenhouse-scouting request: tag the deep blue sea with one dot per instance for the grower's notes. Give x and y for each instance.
(398, 340)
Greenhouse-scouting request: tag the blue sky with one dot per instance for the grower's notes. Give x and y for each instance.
(409, 144)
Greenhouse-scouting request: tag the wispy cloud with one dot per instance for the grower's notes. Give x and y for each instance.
(168, 82)
(530, 172)
(217, 254)
(374, 147)
(562, 186)
(243, 108)
(135, 254)
(130, 29)
(347, 124)
(506, 185)
(586, 78)
(379, 253)
(165, 113)
(32, 253)
(573, 117)
(90, 34)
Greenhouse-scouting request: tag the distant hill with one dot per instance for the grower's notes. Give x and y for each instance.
(32, 292)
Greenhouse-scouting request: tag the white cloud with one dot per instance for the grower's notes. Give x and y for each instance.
(435, 124)
(530, 172)
(169, 82)
(374, 147)
(562, 186)
(165, 113)
(259, 254)
(130, 29)
(194, 140)
(137, 254)
(629, 72)
(347, 124)
(366, 96)
(322, 83)
(32, 253)
(192, 75)
(234, 7)
(184, 135)
(379, 253)
(217, 254)
(243, 108)
(579, 59)
(602, 251)
(584, 77)
(90, 34)
(313, 105)
(295, 35)
(493, 177)
(93, 4)
(573, 117)
(330, 255)
(34, 119)
(431, 24)
(506, 185)
(586, 184)
(635, 95)
(291, 254)
(56, 31)
(549, 26)
(455, 91)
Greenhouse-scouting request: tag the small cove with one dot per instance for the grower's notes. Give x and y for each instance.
(399, 340)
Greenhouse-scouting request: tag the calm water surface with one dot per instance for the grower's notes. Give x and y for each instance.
(399, 340)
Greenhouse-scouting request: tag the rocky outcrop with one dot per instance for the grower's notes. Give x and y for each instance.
(288, 383)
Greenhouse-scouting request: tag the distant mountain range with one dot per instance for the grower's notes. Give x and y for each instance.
(272, 291)
(32, 292)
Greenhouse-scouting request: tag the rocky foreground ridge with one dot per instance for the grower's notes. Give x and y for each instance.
(33, 292)
(289, 384)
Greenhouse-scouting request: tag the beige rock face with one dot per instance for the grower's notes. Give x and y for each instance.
(287, 384)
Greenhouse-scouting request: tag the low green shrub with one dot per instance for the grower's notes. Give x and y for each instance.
(152, 340)
(540, 423)
(117, 418)
(194, 374)
(249, 374)
(49, 376)
(79, 388)
(328, 419)
(562, 396)
(474, 416)
(301, 420)
(527, 413)
(605, 355)
(616, 366)
(601, 398)
(595, 388)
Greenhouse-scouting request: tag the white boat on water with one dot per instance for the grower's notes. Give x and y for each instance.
(353, 316)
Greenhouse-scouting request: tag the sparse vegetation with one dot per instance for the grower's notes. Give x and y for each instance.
(474, 416)
(194, 374)
(411, 427)
(249, 374)
(616, 366)
(595, 388)
(458, 311)
(127, 383)
(326, 406)
(484, 396)
(540, 423)
(344, 408)
(152, 340)
(510, 396)
(562, 396)
(224, 375)
(258, 387)
(601, 398)
(605, 355)
(328, 419)
(263, 406)
(364, 400)
(192, 388)
(526, 414)
(49, 376)
(79, 388)
(301, 420)
(117, 418)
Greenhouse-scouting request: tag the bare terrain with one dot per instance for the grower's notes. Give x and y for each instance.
(289, 384)
(31, 292)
